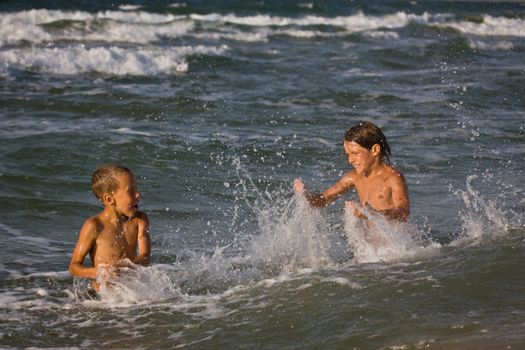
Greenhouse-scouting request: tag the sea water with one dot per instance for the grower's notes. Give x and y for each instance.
(217, 107)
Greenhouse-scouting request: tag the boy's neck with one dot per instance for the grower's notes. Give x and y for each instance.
(114, 216)
(375, 168)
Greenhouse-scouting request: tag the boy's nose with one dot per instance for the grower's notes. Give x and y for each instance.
(137, 194)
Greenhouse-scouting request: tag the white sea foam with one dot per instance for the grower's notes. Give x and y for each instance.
(341, 281)
(26, 25)
(354, 23)
(143, 27)
(8, 298)
(303, 33)
(130, 33)
(52, 274)
(130, 25)
(491, 26)
(380, 34)
(128, 131)
(500, 45)
(301, 27)
(178, 5)
(236, 35)
(138, 285)
(137, 17)
(109, 27)
(111, 60)
(306, 5)
(43, 16)
(129, 7)
(27, 300)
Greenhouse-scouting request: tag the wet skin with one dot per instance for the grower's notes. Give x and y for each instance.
(116, 237)
(379, 186)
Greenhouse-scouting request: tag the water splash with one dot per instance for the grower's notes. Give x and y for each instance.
(292, 239)
(132, 286)
(380, 239)
(285, 235)
(139, 284)
(479, 217)
(289, 234)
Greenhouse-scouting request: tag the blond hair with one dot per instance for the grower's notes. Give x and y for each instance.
(104, 179)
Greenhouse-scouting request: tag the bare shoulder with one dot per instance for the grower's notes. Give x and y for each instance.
(93, 224)
(394, 173)
(395, 177)
(91, 229)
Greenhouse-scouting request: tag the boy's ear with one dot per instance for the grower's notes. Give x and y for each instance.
(107, 199)
(376, 149)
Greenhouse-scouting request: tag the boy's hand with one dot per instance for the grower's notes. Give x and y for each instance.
(125, 263)
(101, 268)
(123, 266)
(107, 272)
(354, 209)
(104, 273)
(298, 187)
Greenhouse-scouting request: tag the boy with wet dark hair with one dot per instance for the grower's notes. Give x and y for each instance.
(380, 186)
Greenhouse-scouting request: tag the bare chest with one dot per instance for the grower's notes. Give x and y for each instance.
(375, 192)
(116, 242)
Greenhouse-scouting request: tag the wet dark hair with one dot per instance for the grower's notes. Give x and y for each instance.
(367, 134)
(104, 179)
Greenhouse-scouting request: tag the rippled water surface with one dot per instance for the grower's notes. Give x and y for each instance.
(217, 108)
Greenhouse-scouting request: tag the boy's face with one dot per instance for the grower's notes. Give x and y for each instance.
(359, 157)
(126, 196)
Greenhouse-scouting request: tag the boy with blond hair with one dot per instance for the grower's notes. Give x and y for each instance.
(118, 236)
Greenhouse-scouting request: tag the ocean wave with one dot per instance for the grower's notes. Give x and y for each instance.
(128, 131)
(380, 34)
(490, 26)
(235, 35)
(500, 45)
(41, 26)
(130, 25)
(129, 7)
(77, 42)
(353, 23)
(104, 60)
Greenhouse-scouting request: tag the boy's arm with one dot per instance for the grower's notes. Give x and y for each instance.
(143, 241)
(86, 241)
(401, 203)
(319, 200)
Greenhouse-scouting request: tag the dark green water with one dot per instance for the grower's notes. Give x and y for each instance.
(217, 108)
